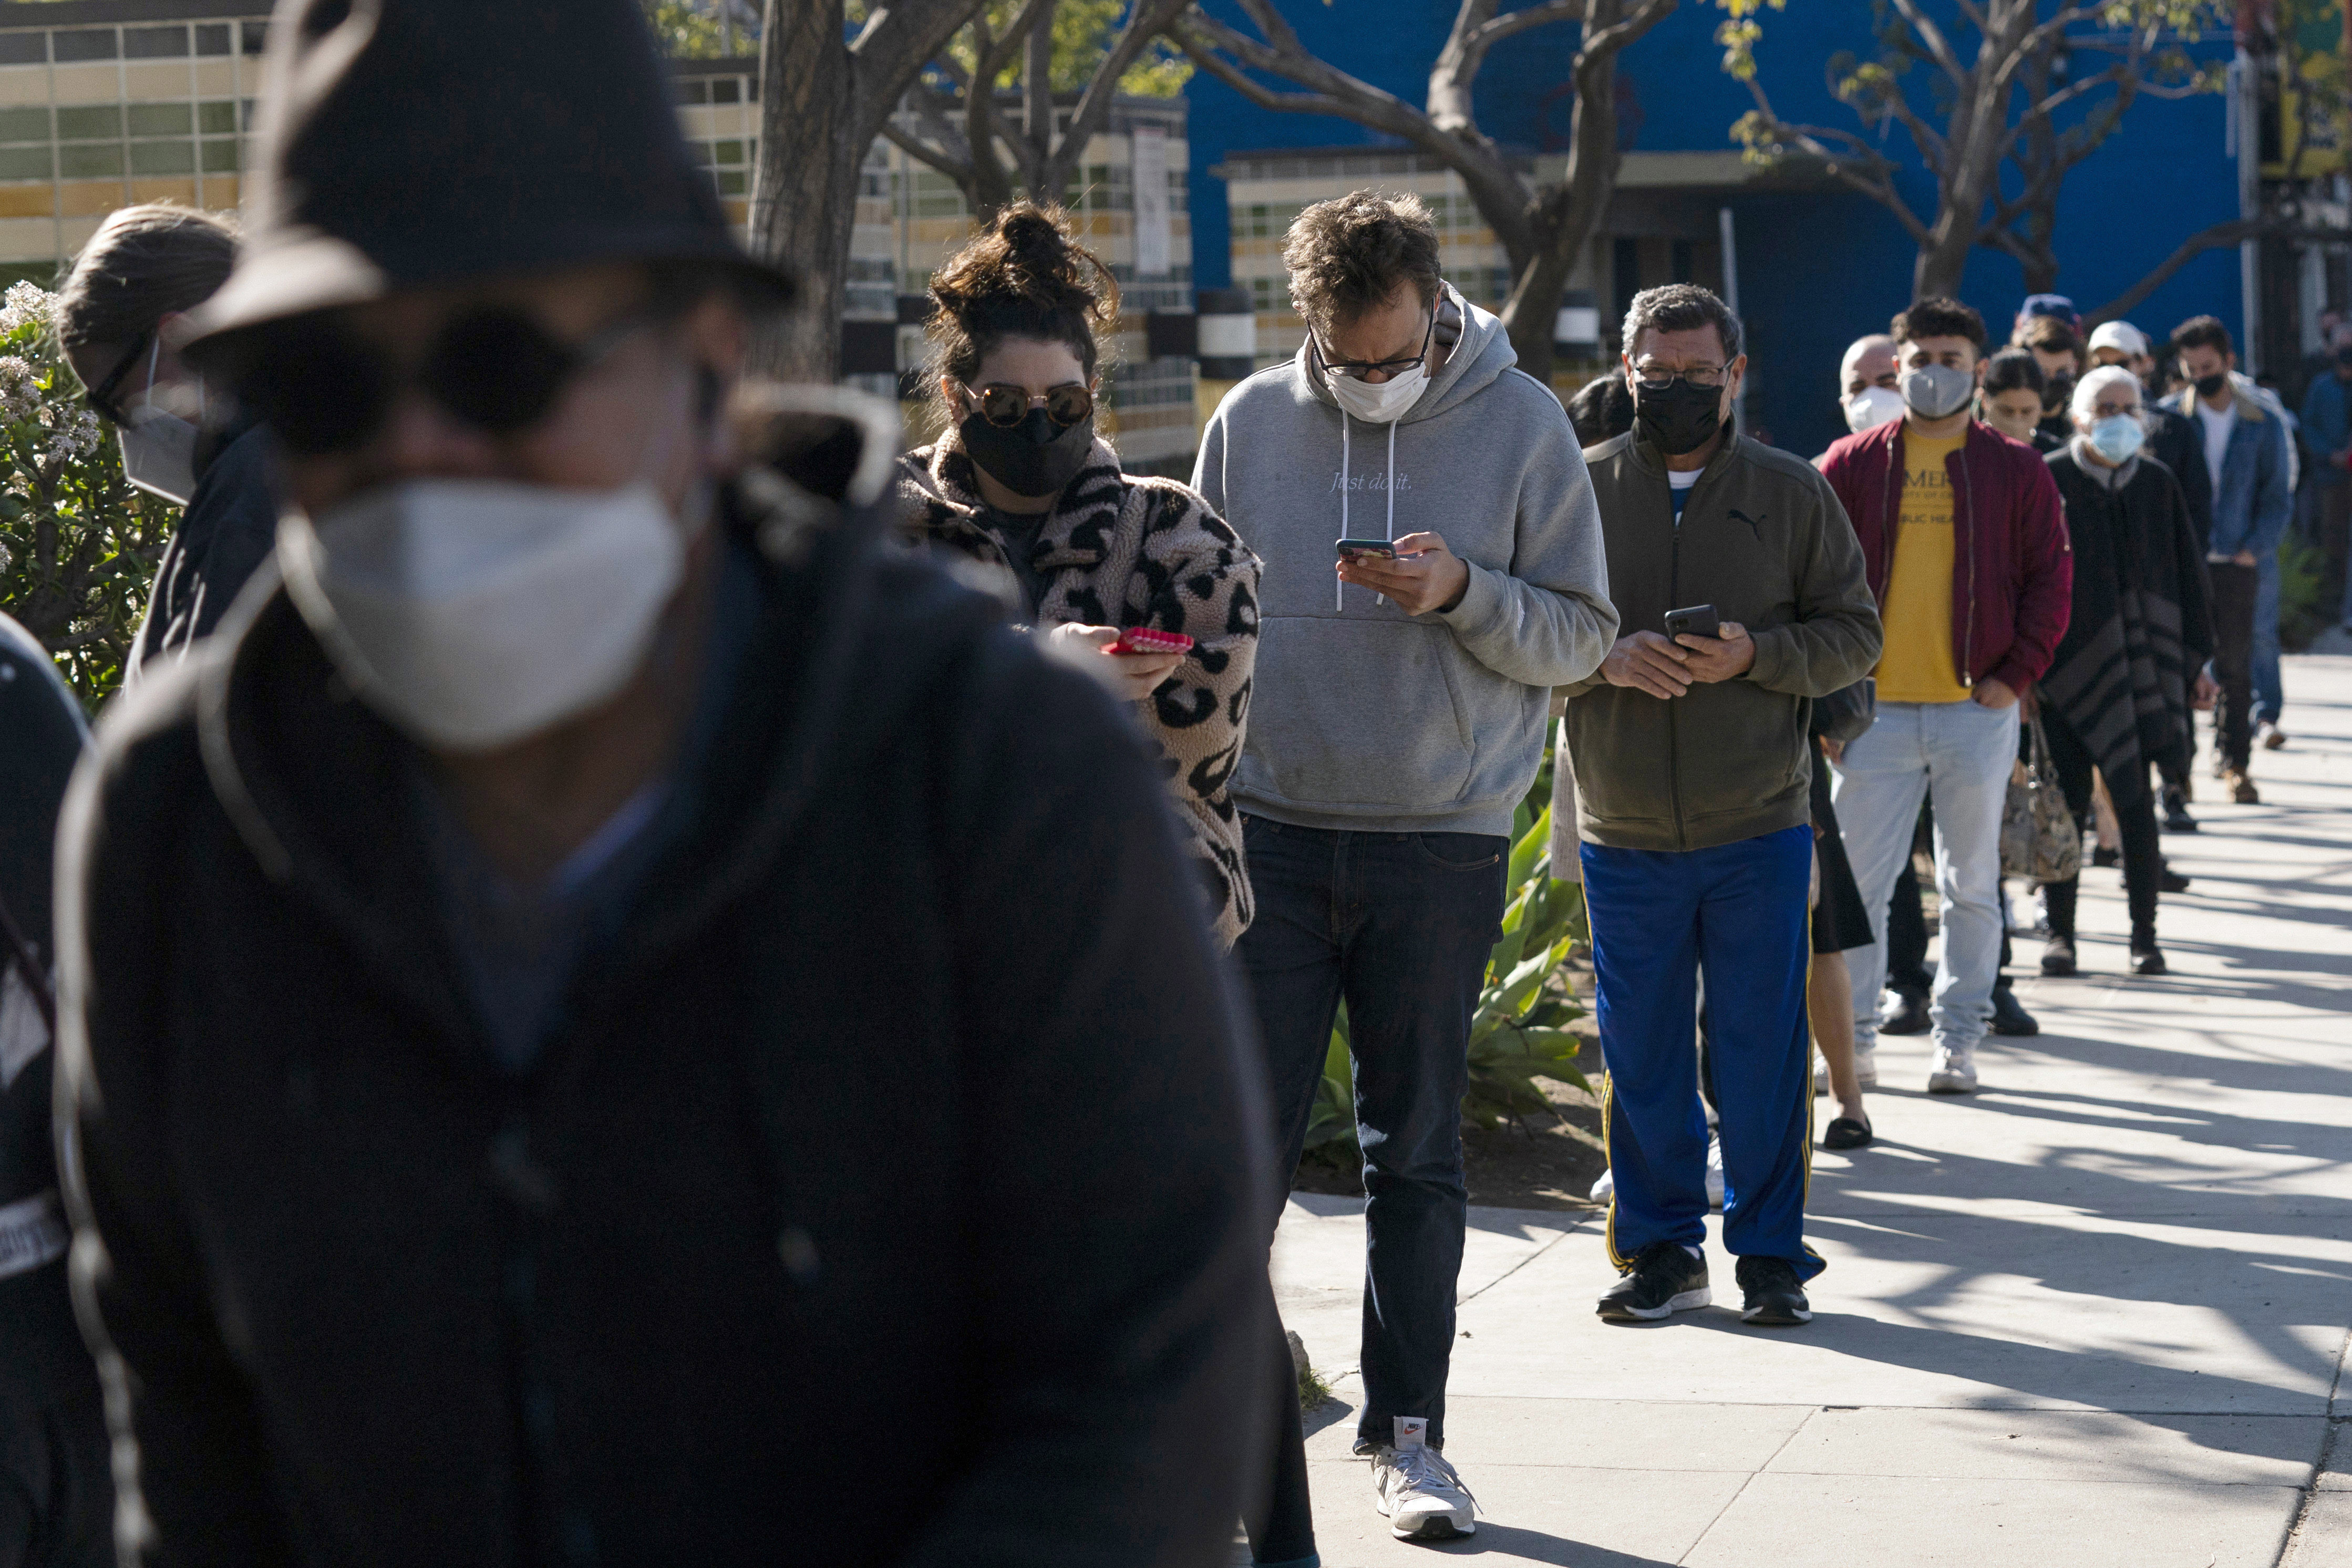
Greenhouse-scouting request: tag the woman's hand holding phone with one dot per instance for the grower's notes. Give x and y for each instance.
(1132, 675)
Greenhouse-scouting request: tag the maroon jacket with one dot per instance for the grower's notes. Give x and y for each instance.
(2012, 569)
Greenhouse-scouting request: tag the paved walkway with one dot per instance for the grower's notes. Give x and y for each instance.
(2094, 1315)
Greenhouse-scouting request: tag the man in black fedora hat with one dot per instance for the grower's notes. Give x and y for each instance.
(606, 1020)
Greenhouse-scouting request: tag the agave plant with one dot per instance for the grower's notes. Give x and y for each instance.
(1518, 1034)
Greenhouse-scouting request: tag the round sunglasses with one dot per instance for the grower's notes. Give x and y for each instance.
(1005, 406)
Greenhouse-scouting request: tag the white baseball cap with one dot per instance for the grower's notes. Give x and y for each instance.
(2121, 336)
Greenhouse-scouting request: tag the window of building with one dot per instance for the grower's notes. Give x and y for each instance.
(694, 89)
(213, 38)
(26, 162)
(24, 124)
(162, 119)
(217, 118)
(255, 35)
(90, 161)
(156, 43)
(31, 48)
(83, 44)
(91, 122)
(727, 89)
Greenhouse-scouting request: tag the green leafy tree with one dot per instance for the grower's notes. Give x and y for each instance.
(1998, 108)
(702, 29)
(78, 545)
(1047, 50)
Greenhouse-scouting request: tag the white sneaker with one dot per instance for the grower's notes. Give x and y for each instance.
(1714, 1171)
(1865, 1065)
(1821, 1077)
(1417, 1491)
(1605, 1186)
(1955, 1072)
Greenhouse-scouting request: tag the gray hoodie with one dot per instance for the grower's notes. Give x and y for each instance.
(1363, 717)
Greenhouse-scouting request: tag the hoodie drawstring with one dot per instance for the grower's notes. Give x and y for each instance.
(1346, 478)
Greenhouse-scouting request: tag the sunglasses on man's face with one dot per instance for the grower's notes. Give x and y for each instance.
(324, 390)
(101, 397)
(1005, 406)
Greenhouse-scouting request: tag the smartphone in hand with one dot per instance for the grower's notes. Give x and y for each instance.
(1148, 640)
(1354, 549)
(1698, 620)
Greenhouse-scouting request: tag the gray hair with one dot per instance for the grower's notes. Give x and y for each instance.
(1681, 308)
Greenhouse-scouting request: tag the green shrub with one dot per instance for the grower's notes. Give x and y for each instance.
(1518, 1034)
(78, 545)
(2304, 612)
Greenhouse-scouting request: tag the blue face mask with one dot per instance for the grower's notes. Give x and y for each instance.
(2116, 438)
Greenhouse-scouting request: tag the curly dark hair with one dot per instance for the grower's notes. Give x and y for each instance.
(1681, 308)
(1602, 409)
(1346, 256)
(1937, 317)
(1023, 276)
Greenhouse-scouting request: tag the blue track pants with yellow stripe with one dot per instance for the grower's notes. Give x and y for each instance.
(1659, 917)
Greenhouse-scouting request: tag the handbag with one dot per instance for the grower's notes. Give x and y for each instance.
(2040, 839)
(1846, 715)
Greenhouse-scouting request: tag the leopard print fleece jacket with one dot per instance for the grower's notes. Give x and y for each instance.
(1123, 550)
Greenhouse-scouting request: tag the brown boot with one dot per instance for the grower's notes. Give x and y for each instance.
(2241, 788)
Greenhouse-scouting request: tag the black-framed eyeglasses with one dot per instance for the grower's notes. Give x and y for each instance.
(1654, 378)
(324, 390)
(101, 397)
(1005, 406)
(1358, 370)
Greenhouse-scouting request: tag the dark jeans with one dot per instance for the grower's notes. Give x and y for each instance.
(2233, 659)
(1400, 925)
(2143, 864)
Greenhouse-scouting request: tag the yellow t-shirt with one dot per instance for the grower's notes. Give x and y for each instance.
(1917, 664)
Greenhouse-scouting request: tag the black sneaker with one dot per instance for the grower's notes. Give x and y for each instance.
(2169, 880)
(2148, 960)
(1664, 1279)
(2008, 1014)
(1773, 1298)
(2176, 812)
(2102, 856)
(1910, 1014)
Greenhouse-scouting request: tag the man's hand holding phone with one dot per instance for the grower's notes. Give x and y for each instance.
(1133, 675)
(1726, 656)
(1648, 662)
(1423, 576)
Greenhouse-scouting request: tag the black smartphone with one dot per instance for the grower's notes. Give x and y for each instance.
(1699, 621)
(1351, 549)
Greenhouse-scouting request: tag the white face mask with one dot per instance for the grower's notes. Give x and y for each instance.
(1384, 404)
(159, 448)
(1871, 407)
(474, 613)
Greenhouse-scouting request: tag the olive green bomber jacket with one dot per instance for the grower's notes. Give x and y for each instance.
(1763, 539)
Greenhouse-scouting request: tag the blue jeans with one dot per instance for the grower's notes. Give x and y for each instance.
(1659, 918)
(2269, 695)
(1399, 924)
(1959, 754)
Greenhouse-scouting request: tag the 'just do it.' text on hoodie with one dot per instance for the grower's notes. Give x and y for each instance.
(1362, 716)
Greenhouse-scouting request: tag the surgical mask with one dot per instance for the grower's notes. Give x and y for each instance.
(475, 612)
(1871, 407)
(1384, 404)
(2116, 438)
(2211, 386)
(1680, 419)
(1035, 458)
(159, 448)
(1938, 390)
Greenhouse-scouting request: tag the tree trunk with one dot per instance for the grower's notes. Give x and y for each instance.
(805, 204)
(1532, 313)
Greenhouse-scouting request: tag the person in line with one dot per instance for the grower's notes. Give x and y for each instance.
(1397, 720)
(183, 445)
(2009, 399)
(1866, 378)
(2057, 348)
(1693, 769)
(2247, 454)
(2174, 442)
(1601, 409)
(1022, 481)
(2328, 431)
(1966, 543)
(2119, 690)
(57, 1495)
(642, 1087)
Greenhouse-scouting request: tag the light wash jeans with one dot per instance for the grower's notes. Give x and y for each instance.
(1960, 755)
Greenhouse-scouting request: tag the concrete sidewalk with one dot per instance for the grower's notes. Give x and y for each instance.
(2096, 1314)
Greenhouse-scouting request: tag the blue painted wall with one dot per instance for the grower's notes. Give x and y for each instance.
(1815, 270)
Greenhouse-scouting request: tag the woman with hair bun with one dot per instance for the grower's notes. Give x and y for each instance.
(1022, 484)
(1022, 481)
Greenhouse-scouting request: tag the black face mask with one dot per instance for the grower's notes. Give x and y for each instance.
(1035, 458)
(2057, 392)
(2206, 386)
(1682, 418)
